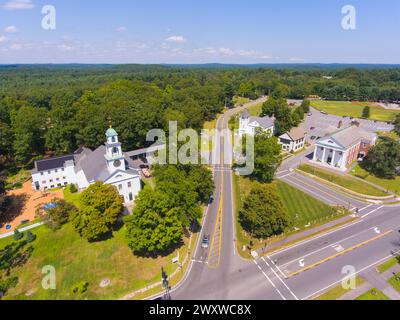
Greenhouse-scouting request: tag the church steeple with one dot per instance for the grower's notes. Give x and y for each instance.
(114, 156)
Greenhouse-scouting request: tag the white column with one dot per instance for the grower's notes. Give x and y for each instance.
(323, 155)
(333, 158)
(315, 153)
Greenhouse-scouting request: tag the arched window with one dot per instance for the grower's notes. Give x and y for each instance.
(113, 139)
(115, 150)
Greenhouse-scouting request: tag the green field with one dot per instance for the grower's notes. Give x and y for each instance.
(392, 185)
(354, 109)
(388, 264)
(344, 181)
(301, 207)
(373, 294)
(76, 260)
(336, 292)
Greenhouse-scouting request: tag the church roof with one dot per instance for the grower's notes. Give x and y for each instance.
(111, 132)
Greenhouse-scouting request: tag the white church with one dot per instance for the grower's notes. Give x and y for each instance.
(84, 167)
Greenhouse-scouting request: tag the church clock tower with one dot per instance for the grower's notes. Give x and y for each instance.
(114, 156)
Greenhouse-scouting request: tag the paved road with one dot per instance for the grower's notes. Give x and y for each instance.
(301, 271)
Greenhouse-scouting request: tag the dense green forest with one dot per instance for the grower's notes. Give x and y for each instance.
(55, 109)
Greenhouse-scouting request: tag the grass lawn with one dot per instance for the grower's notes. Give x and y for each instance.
(395, 282)
(255, 111)
(73, 198)
(336, 292)
(373, 294)
(76, 260)
(302, 208)
(391, 185)
(388, 264)
(354, 109)
(344, 181)
(239, 101)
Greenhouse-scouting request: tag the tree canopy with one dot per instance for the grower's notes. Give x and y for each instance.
(263, 215)
(100, 207)
(383, 160)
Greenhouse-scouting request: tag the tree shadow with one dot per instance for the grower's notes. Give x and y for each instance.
(15, 206)
(160, 253)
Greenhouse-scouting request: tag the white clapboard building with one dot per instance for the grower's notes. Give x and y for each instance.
(84, 167)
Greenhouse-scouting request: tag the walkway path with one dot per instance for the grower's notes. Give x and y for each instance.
(33, 226)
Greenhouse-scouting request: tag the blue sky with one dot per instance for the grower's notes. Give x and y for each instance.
(199, 31)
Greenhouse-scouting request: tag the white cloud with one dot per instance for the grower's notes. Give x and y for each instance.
(66, 48)
(293, 59)
(18, 5)
(3, 39)
(11, 29)
(176, 39)
(121, 29)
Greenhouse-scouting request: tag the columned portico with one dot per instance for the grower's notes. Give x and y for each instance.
(330, 156)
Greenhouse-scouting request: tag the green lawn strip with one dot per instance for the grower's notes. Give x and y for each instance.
(338, 291)
(77, 260)
(392, 185)
(303, 209)
(355, 109)
(388, 264)
(395, 282)
(344, 181)
(373, 294)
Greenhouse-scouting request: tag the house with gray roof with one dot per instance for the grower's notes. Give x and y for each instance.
(293, 140)
(84, 167)
(341, 148)
(250, 125)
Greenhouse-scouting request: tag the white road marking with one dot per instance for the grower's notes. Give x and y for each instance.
(366, 207)
(314, 238)
(323, 248)
(338, 248)
(373, 211)
(357, 272)
(280, 279)
(269, 280)
(277, 267)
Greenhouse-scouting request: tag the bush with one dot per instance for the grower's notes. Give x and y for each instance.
(6, 284)
(73, 188)
(80, 288)
(17, 235)
(30, 237)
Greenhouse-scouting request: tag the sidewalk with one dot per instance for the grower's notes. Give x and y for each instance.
(375, 280)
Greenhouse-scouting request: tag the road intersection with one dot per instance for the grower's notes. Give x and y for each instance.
(297, 272)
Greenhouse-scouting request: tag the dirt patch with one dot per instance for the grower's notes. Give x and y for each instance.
(24, 203)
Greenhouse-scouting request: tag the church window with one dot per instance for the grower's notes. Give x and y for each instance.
(130, 196)
(113, 139)
(120, 187)
(129, 184)
(41, 173)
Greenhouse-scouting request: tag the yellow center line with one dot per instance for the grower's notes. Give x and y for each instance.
(339, 254)
(218, 223)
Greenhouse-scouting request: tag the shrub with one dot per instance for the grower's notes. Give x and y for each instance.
(6, 284)
(73, 188)
(30, 237)
(17, 235)
(80, 288)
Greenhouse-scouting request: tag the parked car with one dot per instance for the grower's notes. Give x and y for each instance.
(312, 128)
(313, 137)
